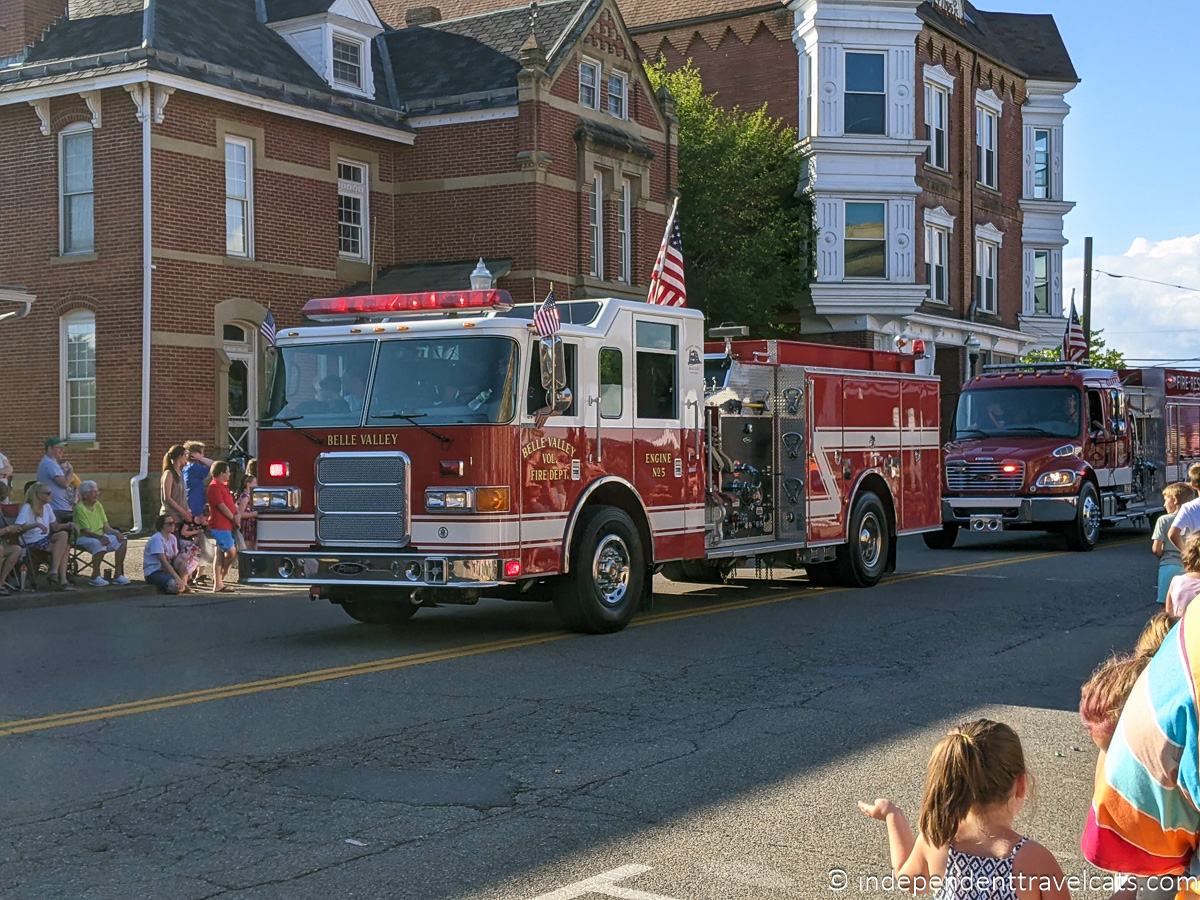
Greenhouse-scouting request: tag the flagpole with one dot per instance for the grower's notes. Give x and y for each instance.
(1087, 290)
(662, 250)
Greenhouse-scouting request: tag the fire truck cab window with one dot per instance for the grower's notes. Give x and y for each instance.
(657, 370)
(444, 381)
(535, 398)
(321, 385)
(1036, 412)
(1095, 411)
(612, 383)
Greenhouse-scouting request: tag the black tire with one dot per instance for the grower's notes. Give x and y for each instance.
(602, 591)
(941, 540)
(821, 574)
(1084, 533)
(377, 607)
(696, 571)
(863, 559)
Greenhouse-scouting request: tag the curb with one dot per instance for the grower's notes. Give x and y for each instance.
(78, 597)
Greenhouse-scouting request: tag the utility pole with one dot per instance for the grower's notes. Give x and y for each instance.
(1087, 290)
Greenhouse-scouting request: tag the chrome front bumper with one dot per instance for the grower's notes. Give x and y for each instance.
(1009, 511)
(402, 570)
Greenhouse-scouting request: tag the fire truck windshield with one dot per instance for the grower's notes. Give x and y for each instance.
(1027, 410)
(426, 381)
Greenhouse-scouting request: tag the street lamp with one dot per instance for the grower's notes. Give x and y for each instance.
(973, 347)
(481, 278)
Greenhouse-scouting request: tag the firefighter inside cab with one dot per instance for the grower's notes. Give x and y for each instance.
(424, 449)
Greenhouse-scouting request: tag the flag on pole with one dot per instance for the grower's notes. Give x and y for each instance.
(667, 285)
(546, 319)
(267, 329)
(1074, 346)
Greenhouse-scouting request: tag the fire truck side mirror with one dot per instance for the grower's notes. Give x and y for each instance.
(553, 362)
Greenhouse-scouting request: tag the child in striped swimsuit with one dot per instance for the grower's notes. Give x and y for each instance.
(967, 848)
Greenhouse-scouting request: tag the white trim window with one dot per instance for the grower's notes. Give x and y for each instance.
(596, 226)
(987, 260)
(347, 55)
(239, 197)
(865, 244)
(625, 233)
(937, 126)
(865, 99)
(354, 199)
(937, 244)
(618, 95)
(1041, 282)
(77, 364)
(986, 124)
(75, 197)
(589, 84)
(1041, 163)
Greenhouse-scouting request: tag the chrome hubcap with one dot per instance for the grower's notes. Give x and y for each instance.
(870, 540)
(1091, 518)
(610, 570)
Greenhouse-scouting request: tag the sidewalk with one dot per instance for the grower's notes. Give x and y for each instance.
(85, 593)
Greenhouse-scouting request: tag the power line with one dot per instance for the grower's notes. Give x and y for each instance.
(1180, 287)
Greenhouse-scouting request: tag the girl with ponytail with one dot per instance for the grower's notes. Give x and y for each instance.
(967, 848)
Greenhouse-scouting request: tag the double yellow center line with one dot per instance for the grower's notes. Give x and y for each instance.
(317, 676)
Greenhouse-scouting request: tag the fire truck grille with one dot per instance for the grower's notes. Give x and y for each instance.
(362, 499)
(376, 529)
(357, 498)
(983, 476)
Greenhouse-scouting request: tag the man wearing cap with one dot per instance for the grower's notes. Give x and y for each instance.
(55, 472)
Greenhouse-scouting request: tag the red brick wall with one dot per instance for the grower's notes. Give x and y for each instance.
(958, 191)
(23, 21)
(745, 61)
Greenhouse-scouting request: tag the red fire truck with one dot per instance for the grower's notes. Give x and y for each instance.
(1067, 448)
(430, 448)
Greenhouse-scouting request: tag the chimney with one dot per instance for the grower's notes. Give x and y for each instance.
(22, 22)
(422, 15)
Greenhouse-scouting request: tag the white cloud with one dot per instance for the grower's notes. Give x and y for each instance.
(1142, 319)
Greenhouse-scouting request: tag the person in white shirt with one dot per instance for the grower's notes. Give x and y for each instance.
(160, 565)
(49, 535)
(1188, 517)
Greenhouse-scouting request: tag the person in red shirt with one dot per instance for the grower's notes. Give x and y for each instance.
(223, 519)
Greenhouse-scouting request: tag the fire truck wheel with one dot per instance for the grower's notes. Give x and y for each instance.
(862, 560)
(379, 610)
(608, 571)
(941, 540)
(1084, 532)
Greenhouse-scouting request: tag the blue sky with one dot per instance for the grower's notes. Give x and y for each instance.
(1132, 163)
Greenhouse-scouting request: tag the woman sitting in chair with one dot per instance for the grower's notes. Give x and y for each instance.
(10, 545)
(48, 536)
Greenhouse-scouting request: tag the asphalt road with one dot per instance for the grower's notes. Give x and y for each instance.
(271, 747)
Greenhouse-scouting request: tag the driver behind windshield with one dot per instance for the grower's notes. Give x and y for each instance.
(465, 385)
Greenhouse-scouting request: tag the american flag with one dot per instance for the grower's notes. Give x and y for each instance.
(267, 329)
(1074, 346)
(546, 318)
(667, 285)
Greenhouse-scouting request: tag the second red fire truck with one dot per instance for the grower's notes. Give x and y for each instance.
(420, 449)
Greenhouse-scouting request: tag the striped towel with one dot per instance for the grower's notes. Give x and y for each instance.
(1144, 818)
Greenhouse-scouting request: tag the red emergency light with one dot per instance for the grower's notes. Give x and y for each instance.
(379, 305)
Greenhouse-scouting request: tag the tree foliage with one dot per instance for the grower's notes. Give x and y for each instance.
(745, 232)
(1100, 354)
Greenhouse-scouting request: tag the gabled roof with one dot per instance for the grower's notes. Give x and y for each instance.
(219, 42)
(478, 57)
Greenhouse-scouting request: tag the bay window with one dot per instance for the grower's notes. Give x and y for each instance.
(865, 243)
(1041, 282)
(866, 93)
(1041, 164)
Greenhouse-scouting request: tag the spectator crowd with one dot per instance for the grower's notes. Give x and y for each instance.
(57, 522)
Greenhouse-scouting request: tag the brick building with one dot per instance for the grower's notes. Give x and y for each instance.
(172, 170)
(934, 133)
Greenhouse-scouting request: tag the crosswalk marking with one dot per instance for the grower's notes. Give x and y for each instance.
(605, 885)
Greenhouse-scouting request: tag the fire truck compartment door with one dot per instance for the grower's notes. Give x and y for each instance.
(920, 467)
(825, 458)
(791, 403)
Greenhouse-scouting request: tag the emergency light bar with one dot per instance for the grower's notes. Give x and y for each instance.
(332, 309)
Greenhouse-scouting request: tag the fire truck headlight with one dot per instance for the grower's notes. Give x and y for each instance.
(491, 499)
(276, 499)
(1060, 478)
(457, 500)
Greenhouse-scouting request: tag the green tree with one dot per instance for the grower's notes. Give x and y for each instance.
(1100, 354)
(745, 232)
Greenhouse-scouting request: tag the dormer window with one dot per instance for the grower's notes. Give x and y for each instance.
(347, 62)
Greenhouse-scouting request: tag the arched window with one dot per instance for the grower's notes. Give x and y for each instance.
(77, 382)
